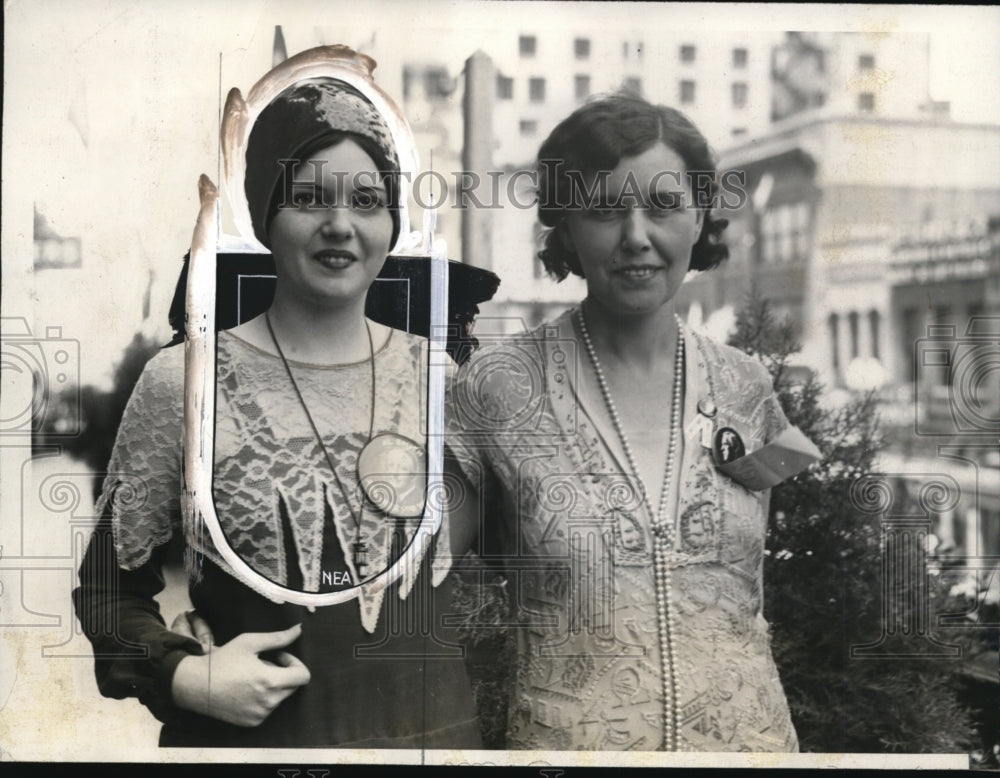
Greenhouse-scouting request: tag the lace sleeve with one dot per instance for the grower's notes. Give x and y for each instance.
(143, 483)
(476, 410)
(466, 438)
(775, 421)
(769, 412)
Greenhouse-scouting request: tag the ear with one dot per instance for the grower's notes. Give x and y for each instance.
(562, 234)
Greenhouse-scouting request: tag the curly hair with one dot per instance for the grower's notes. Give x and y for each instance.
(596, 137)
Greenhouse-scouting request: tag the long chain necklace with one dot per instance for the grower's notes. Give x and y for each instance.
(663, 530)
(360, 549)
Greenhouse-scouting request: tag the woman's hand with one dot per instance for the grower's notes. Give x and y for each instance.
(191, 625)
(232, 683)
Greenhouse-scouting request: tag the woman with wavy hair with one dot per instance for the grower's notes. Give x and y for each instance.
(617, 453)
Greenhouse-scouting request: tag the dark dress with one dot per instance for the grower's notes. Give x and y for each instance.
(385, 671)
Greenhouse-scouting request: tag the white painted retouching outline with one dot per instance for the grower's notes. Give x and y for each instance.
(198, 503)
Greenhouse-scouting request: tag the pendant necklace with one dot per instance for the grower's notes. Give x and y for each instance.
(359, 548)
(662, 528)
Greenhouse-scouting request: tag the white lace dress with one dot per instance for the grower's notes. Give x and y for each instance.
(577, 544)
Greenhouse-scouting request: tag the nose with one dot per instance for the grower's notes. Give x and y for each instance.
(635, 231)
(337, 223)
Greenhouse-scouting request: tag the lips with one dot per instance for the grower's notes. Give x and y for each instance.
(638, 272)
(335, 259)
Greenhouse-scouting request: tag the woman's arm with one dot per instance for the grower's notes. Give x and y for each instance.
(463, 511)
(135, 655)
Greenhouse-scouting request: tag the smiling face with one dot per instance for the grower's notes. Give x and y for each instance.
(634, 240)
(331, 238)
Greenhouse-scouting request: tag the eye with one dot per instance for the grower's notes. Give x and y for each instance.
(306, 198)
(605, 213)
(368, 199)
(665, 203)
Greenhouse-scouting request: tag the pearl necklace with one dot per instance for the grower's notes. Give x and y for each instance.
(663, 530)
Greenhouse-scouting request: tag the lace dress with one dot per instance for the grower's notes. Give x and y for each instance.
(576, 541)
(384, 672)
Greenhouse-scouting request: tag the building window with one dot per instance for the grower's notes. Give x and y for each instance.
(688, 53)
(800, 231)
(739, 90)
(739, 58)
(834, 324)
(852, 324)
(628, 48)
(866, 102)
(437, 83)
(687, 92)
(536, 90)
(505, 88)
(527, 45)
(633, 84)
(769, 232)
(581, 87)
(785, 234)
(910, 334)
(528, 127)
(866, 61)
(874, 321)
(581, 48)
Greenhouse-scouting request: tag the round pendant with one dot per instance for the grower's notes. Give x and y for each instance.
(707, 408)
(392, 470)
(727, 446)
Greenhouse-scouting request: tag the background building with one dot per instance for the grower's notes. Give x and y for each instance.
(720, 79)
(532, 77)
(832, 203)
